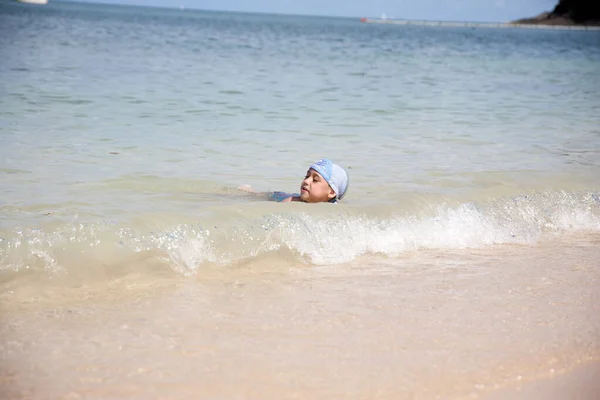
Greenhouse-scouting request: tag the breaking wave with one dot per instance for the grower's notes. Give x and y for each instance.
(337, 236)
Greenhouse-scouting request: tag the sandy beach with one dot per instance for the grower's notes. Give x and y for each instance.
(580, 383)
(456, 324)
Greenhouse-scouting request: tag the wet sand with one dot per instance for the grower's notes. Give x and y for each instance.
(582, 383)
(427, 325)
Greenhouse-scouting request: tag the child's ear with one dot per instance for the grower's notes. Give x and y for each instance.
(331, 194)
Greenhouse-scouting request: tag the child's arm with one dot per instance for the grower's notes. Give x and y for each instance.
(246, 188)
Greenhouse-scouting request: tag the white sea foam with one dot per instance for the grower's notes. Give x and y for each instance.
(337, 236)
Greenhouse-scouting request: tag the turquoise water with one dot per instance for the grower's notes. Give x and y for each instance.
(126, 130)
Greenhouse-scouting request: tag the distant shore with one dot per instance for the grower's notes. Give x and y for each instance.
(549, 18)
(514, 24)
(567, 13)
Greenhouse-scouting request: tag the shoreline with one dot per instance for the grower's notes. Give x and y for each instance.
(502, 25)
(443, 324)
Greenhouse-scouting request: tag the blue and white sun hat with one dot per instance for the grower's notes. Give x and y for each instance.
(336, 176)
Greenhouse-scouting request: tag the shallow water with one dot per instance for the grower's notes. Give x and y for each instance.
(442, 324)
(473, 156)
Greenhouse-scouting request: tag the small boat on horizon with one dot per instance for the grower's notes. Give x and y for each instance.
(33, 1)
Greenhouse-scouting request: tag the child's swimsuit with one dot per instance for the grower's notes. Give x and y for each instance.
(281, 196)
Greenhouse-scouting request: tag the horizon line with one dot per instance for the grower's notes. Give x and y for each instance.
(192, 8)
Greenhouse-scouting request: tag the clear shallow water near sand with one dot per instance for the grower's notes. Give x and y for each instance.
(448, 325)
(125, 131)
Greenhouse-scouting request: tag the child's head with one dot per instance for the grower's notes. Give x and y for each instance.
(324, 182)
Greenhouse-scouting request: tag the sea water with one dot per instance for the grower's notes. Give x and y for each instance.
(126, 131)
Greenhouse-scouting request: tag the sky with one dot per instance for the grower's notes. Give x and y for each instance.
(443, 10)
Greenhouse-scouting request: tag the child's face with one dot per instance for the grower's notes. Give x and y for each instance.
(315, 189)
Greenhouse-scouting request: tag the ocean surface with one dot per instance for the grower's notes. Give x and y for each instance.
(126, 131)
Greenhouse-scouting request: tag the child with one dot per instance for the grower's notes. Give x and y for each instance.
(324, 182)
